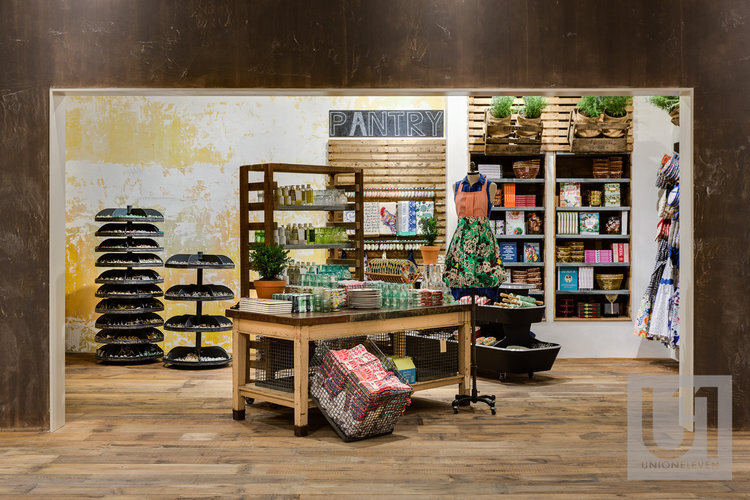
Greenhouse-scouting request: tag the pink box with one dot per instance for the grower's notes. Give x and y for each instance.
(590, 256)
(605, 255)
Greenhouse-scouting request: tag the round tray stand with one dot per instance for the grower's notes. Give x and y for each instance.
(126, 290)
(199, 262)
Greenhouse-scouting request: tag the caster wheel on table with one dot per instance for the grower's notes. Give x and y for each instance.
(249, 400)
(531, 375)
(503, 377)
(494, 412)
(455, 410)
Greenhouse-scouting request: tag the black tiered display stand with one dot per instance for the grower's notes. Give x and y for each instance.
(198, 356)
(129, 323)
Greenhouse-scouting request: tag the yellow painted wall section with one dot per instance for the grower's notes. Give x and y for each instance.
(180, 155)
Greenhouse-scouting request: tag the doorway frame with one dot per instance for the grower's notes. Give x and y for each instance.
(57, 209)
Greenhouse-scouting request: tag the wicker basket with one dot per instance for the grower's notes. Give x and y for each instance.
(393, 278)
(609, 281)
(527, 169)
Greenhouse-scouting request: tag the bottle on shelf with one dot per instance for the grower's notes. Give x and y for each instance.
(309, 195)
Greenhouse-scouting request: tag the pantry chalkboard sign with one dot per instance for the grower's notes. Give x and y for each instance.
(386, 123)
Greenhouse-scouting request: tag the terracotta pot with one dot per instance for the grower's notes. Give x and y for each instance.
(526, 122)
(266, 288)
(496, 127)
(615, 132)
(675, 114)
(430, 254)
(579, 118)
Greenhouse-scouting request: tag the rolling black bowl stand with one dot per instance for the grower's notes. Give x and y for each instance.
(474, 397)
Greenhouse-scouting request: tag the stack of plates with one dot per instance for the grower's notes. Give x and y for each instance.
(365, 298)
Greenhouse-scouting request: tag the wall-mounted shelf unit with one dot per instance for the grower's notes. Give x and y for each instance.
(259, 215)
(396, 170)
(577, 172)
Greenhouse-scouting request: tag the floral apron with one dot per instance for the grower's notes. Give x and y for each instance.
(473, 264)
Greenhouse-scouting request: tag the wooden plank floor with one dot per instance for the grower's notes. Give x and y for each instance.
(149, 432)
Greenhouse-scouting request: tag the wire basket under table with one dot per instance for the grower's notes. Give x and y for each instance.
(353, 411)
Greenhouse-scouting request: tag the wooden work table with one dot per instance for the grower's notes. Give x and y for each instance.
(301, 328)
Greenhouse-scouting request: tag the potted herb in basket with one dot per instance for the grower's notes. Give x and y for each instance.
(429, 231)
(589, 110)
(270, 262)
(531, 114)
(670, 104)
(615, 112)
(497, 119)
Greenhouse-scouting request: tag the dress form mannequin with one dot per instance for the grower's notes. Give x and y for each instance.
(472, 175)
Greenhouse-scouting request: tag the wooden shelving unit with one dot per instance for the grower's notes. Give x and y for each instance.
(389, 165)
(578, 168)
(534, 186)
(267, 208)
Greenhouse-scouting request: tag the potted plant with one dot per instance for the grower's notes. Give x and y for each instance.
(614, 112)
(497, 119)
(429, 230)
(670, 104)
(270, 262)
(531, 114)
(589, 110)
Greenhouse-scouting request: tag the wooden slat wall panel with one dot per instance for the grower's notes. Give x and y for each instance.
(555, 119)
(395, 163)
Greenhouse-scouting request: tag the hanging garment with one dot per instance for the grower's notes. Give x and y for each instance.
(659, 329)
(642, 325)
(472, 263)
(674, 318)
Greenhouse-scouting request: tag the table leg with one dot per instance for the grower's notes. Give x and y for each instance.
(464, 356)
(239, 371)
(301, 390)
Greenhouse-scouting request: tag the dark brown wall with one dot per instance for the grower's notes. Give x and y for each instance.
(381, 44)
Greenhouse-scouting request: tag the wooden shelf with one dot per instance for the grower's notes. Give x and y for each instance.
(593, 209)
(341, 246)
(593, 180)
(314, 208)
(267, 223)
(523, 264)
(592, 264)
(593, 292)
(593, 236)
(512, 180)
(518, 209)
(539, 237)
(603, 318)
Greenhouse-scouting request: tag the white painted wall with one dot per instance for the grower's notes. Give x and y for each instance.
(653, 136)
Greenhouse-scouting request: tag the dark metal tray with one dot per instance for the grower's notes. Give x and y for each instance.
(133, 306)
(140, 291)
(117, 321)
(112, 275)
(200, 261)
(145, 336)
(206, 352)
(108, 352)
(190, 322)
(199, 292)
(129, 260)
(122, 245)
(124, 229)
(129, 214)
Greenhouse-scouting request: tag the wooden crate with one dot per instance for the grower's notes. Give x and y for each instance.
(598, 144)
(396, 163)
(555, 120)
(513, 145)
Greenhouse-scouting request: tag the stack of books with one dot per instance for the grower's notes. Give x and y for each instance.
(265, 306)
(509, 195)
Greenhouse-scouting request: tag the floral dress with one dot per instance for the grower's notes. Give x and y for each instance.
(473, 264)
